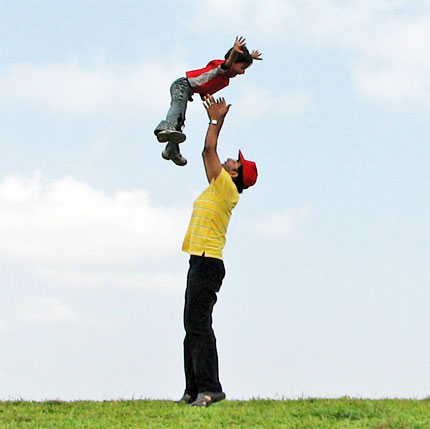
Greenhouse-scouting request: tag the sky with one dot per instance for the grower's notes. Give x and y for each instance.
(327, 257)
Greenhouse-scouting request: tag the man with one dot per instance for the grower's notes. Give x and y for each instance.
(204, 241)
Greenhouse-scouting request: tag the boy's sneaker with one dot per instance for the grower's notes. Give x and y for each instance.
(172, 153)
(173, 136)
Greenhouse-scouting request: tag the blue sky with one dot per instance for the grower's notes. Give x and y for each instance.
(327, 257)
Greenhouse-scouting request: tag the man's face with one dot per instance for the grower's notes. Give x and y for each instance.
(232, 166)
(237, 69)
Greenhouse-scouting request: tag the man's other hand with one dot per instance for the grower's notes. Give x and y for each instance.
(217, 109)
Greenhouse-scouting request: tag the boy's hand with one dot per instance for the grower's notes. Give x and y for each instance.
(217, 109)
(256, 55)
(239, 43)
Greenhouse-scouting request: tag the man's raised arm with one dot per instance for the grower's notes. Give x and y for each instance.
(217, 110)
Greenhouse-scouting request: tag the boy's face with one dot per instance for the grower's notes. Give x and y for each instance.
(237, 68)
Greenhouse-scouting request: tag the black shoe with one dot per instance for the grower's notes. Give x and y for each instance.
(186, 399)
(208, 398)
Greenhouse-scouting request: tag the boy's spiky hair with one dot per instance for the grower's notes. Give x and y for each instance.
(245, 57)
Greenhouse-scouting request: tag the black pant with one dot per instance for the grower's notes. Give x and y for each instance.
(204, 280)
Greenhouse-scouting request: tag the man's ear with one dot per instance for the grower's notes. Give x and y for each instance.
(234, 173)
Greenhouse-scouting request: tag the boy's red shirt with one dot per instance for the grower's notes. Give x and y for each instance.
(209, 79)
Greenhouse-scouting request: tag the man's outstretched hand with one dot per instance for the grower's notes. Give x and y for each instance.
(217, 109)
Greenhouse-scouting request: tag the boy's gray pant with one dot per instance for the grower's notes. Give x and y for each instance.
(181, 93)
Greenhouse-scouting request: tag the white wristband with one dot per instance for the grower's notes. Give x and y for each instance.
(213, 122)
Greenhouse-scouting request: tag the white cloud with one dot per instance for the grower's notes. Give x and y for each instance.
(47, 311)
(3, 325)
(397, 67)
(71, 233)
(257, 101)
(69, 86)
(279, 225)
(385, 42)
(50, 311)
(112, 278)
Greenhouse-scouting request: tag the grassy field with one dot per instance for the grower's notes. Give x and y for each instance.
(306, 413)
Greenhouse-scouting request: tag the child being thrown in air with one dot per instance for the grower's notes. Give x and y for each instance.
(206, 81)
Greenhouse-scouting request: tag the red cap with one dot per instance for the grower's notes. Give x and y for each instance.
(249, 169)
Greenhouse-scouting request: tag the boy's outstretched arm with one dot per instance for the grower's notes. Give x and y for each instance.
(239, 43)
(217, 110)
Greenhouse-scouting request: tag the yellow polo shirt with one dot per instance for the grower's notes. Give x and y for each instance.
(212, 210)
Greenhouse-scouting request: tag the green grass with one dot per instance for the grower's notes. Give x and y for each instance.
(306, 413)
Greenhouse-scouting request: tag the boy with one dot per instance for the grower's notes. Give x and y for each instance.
(215, 76)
